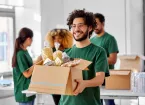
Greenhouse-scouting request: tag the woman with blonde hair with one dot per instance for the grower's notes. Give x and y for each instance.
(65, 39)
(62, 36)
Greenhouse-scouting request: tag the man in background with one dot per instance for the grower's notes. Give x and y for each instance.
(108, 42)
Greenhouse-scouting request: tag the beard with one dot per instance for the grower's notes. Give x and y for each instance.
(97, 31)
(84, 37)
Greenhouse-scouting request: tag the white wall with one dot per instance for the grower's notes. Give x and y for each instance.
(113, 11)
(29, 16)
(113, 17)
(12, 2)
(135, 26)
(124, 19)
(52, 13)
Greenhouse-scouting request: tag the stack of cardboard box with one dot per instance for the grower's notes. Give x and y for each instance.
(121, 79)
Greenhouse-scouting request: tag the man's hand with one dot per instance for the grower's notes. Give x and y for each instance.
(81, 85)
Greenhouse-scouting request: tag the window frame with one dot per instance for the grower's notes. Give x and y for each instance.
(9, 13)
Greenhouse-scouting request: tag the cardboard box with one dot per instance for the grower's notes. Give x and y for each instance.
(118, 80)
(132, 62)
(56, 79)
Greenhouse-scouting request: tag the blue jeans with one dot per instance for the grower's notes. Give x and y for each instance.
(108, 101)
(27, 103)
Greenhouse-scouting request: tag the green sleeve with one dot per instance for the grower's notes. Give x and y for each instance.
(22, 62)
(101, 63)
(112, 46)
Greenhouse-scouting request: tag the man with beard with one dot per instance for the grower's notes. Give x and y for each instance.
(108, 42)
(87, 91)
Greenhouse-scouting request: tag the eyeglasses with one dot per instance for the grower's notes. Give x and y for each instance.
(80, 26)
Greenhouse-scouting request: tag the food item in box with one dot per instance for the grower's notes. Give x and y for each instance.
(65, 57)
(71, 63)
(58, 61)
(57, 45)
(47, 53)
(49, 62)
(58, 54)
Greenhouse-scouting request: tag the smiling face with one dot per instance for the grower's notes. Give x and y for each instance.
(79, 29)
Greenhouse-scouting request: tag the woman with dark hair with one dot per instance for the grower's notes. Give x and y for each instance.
(21, 63)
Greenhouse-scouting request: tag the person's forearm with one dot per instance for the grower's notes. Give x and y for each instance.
(111, 62)
(29, 72)
(38, 60)
(96, 81)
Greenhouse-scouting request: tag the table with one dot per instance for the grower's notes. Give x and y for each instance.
(105, 94)
(119, 94)
(11, 87)
(6, 92)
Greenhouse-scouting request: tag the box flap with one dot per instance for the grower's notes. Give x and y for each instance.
(142, 57)
(39, 63)
(49, 77)
(83, 64)
(131, 63)
(119, 72)
(133, 57)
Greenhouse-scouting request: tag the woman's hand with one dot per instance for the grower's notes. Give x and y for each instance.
(39, 58)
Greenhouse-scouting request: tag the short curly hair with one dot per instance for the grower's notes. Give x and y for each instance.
(88, 17)
(67, 38)
(100, 16)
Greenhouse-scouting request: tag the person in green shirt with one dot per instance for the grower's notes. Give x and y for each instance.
(108, 42)
(65, 39)
(87, 91)
(21, 63)
(61, 36)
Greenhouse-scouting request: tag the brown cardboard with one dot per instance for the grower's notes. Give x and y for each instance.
(38, 63)
(118, 80)
(132, 62)
(56, 79)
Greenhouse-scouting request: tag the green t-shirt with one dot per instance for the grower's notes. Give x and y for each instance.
(24, 61)
(91, 95)
(108, 42)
